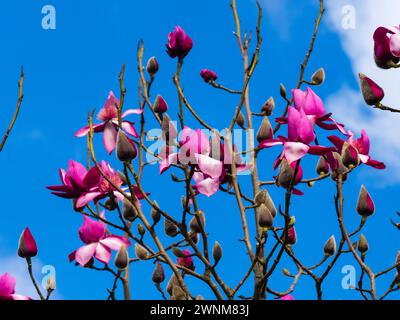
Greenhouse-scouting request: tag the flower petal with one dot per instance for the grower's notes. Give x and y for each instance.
(109, 137)
(85, 253)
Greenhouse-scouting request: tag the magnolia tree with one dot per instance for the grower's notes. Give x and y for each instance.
(120, 217)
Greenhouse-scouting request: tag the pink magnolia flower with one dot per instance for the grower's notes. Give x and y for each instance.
(387, 46)
(7, 288)
(313, 107)
(98, 244)
(27, 247)
(179, 43)
(187, 260)
(300, 136)
(109, 117)
(84, 186)
(191, 142)
(103, 187)
(213, 171)
(208, 75)
(75, 181)
(362, 145)
(287, 297)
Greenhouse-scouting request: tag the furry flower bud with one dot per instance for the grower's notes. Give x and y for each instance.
(126, 149)
(265, 218)
(268, 107)
(265, 131)
(363, 244)
(141, 252)
(217, 252)
(318, 76)
(121, 259)
(365, 204)
(330, 246)
(158, 275)
(349, 156)
(152, 66)
(322, 166)
(170, 228)
(128, 210)
(197, 223)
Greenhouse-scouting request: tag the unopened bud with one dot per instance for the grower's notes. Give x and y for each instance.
(170, 228)
(155, 214)
(282, 91)
(173, 281)
(121, 260)
(285, 175)
(268, 107)
(265, 218)
(265, 131)
(199, 297)
(292, 236)
(126, 149)
(141, 252)
(27, 247)
(240, 120)
(178, 293)
(141, 230)
(178, 252)
(260, 197)
(330, 246)
(197, 223)
(158, 275)
(363, 244)
(349, 156)
(160, 106)
(217, 252)
(372, 93)
(286, 272)
(322, 166)
(128, 210)
(318, 76)
(111, 204)
(340, 168)
(51, 284)
(365, 204)
(152, 66)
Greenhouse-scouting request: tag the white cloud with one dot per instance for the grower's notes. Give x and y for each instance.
(17, 268)
(347, 104)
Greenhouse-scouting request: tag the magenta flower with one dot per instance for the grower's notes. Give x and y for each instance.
(209, 176)
(7, 289)
(387, 46)
(27, 247)
(98, 244)
(103, 187)
(179, 43)
(187, 260)
(372, 93)
(109, 117)
(287, 297)
(362, 146)
(75, 181)
(208, 75)
(314, 108)
(300, 136)
(191, 142)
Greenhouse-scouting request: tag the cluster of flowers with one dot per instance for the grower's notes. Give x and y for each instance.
(209, 158)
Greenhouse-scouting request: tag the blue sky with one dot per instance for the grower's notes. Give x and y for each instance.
(70, 70)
